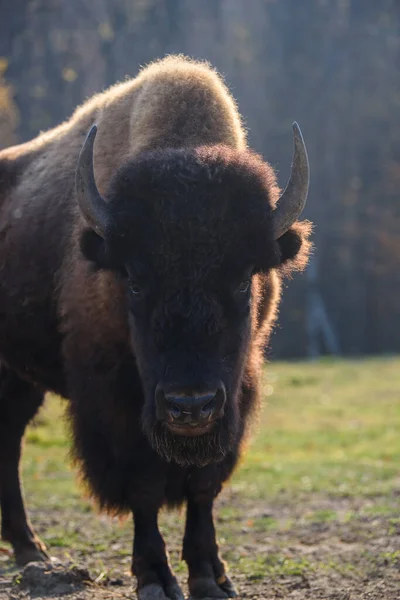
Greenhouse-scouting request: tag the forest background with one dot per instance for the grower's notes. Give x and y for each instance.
(331, 65)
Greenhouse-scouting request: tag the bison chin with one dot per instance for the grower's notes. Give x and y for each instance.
(187, 451)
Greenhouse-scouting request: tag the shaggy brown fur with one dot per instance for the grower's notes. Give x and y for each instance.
(191, 212)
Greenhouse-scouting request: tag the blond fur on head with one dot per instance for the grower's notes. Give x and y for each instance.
(173, 102)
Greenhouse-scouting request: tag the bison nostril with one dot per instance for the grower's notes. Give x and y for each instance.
(175, 411)
(208, 409)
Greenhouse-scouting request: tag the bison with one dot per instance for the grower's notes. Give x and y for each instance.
(142, 246)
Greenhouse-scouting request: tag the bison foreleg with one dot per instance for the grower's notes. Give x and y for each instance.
(18, 403)
(150, 563)
(207, 577)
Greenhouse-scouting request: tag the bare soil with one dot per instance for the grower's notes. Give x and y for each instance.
(336, 549)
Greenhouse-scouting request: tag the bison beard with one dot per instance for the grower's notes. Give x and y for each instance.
(198, 451)
(186, 451)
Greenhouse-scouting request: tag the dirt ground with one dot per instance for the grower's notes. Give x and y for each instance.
(336, 549)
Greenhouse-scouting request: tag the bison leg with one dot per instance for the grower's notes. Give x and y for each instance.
(207, 578)
(19, 402)
(150, 563)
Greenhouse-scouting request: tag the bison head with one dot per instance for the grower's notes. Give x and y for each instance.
(192, 232)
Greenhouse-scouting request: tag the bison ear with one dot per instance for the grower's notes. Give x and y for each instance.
(93, 248)
(289, 245)
(295, 246)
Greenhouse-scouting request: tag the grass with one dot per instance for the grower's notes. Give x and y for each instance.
(330, 426)
(324, 457)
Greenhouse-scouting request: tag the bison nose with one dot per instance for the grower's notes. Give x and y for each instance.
(179, 407)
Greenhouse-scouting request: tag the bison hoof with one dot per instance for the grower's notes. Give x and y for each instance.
(209, 589)
(154, 591)
(174, 592)
(28, 554)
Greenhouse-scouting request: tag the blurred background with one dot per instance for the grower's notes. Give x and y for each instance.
(332, 65)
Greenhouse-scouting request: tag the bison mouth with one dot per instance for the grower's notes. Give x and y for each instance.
(189, 430)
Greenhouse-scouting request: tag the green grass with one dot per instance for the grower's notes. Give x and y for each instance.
(330, 427)
(272, 565)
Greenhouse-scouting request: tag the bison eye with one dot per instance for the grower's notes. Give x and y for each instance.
(244, 285)
(135, 288)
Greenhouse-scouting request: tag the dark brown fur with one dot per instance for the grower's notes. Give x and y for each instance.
(65, 301)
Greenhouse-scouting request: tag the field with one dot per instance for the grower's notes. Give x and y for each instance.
(313, 512)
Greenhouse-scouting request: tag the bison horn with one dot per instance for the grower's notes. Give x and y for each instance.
(92, 205)
(293, 198)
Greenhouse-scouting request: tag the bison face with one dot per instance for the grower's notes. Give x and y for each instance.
(189, 232)
(190, 331)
